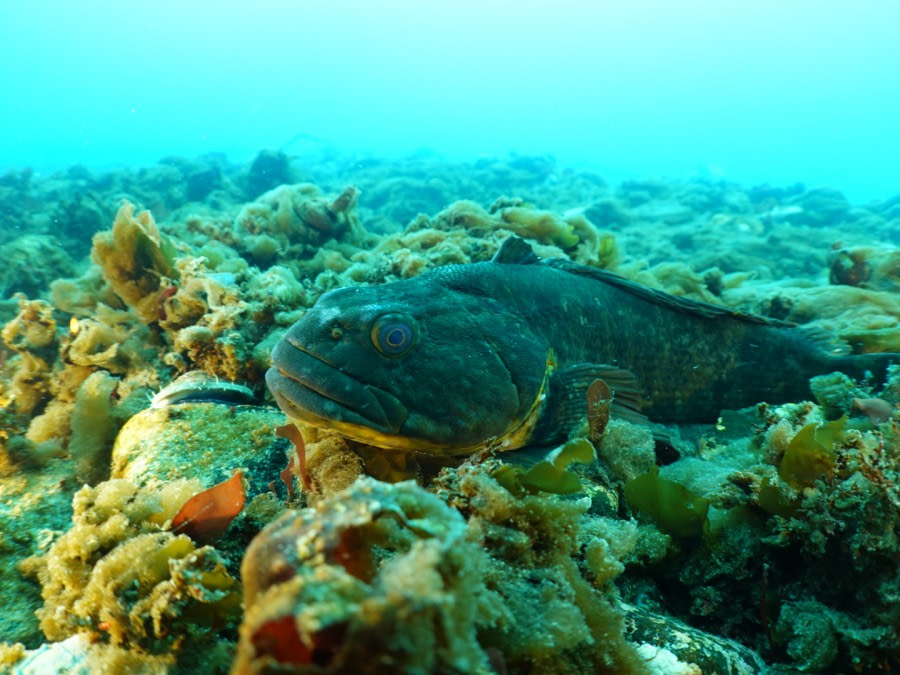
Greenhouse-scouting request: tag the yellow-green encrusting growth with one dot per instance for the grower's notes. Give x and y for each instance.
(389, 571)
(121, 577)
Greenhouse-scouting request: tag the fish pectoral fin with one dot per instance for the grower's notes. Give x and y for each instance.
(629, 413)
(626, 403)
(567, 406)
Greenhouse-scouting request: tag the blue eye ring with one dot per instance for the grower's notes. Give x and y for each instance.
(393, 334)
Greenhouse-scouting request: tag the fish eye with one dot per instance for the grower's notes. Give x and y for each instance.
(393, 334)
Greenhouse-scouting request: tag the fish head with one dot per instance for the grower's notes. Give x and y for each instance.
(411, 365)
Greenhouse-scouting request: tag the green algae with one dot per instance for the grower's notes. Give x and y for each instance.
(811, 453)
(774, 500)
(675, 509)
(549, 475)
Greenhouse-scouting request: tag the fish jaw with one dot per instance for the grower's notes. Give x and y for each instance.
(312, 391)
(306, 406)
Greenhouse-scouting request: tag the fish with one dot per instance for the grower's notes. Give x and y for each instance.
(503, 353)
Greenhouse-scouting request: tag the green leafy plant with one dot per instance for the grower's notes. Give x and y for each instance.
(551, 474)
(810, 454)
(677, 510)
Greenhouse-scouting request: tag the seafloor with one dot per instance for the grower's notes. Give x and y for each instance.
(767, 541)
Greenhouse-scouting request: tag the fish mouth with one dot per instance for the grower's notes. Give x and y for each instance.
(308, 389)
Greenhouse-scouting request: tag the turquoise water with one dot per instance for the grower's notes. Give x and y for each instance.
(776, 91)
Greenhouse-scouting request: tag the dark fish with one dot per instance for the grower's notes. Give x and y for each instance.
(506, 350)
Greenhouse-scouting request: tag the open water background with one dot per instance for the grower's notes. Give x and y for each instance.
(761, 91)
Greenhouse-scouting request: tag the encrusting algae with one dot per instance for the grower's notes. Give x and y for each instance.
(186, 533)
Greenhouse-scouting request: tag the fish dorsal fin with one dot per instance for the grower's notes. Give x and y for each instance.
(515, 251)
(673, 302)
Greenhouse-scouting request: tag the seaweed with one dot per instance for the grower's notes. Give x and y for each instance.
(135, 258)
(811, 455)
(548, 475)
(674, 508)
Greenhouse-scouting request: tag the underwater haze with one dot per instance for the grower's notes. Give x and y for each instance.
(473, 337)
(763, 91)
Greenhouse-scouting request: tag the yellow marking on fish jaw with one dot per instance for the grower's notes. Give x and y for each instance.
(520, 434)
(368, 436)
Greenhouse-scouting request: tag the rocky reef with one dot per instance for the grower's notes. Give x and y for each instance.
(157, 517)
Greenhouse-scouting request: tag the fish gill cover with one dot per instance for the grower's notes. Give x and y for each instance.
(160, 513)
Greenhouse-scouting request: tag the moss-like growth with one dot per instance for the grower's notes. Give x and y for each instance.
(835, 393)
(627, 449)
(389, 571)
(389, 553)
(31, 262)
(35, 502)
(32, 336)
(135, 258)
(94, 427)
(120, 577)
(200, 440)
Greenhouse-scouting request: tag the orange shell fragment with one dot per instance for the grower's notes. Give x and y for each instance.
(205, 516)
